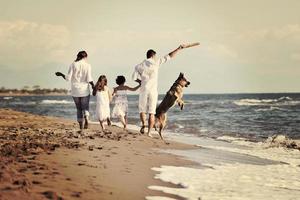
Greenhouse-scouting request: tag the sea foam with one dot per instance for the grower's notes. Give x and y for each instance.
(238, 180)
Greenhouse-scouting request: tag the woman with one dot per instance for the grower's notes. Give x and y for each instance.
(80, 76)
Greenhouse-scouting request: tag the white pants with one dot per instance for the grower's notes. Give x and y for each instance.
(148, 102)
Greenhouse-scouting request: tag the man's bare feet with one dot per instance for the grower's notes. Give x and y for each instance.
(106, 131)
(149, 135)
(142, 131)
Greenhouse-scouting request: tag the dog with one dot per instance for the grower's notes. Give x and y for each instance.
(173, 96)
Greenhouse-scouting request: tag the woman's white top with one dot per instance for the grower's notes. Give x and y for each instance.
(80, 75)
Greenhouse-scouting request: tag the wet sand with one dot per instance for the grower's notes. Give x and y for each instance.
(45, 158)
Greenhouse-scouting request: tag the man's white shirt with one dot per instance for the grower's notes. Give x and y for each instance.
(147, 72)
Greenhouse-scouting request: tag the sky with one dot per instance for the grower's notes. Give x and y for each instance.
(246, 46)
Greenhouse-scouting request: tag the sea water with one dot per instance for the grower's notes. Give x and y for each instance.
(252, 116)
(235, 158)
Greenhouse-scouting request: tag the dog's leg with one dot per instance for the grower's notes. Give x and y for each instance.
(180, 103)
(162, 125)
(179, 100)
(155, 124)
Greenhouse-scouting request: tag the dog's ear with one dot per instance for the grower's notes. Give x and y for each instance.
(181, 75)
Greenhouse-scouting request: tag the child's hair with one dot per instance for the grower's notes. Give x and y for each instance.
(102, 77)
(120, 80)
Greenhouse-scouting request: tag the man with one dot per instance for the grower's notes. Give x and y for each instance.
(147, 73)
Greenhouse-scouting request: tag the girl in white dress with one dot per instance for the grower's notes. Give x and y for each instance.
(103, 95)
(120, 109)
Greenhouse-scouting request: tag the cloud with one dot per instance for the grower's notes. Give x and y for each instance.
(115, 38)
(221, 50)
(289, 32)
(27, 43)
(263, 46)
(295, 56)
(106, 45)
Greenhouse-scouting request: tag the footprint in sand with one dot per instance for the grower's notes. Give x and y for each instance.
(36, 173)
(22, 170)
(55, 173)
(36, 182)
(51, 195)
(21, 182)
(80, 164)
(76, 194)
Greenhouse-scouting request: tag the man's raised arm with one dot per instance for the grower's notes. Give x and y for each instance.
(170, 55)
(174, 52)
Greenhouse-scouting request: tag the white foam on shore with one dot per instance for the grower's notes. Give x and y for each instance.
(238, 180)
(232, 181)
(264, 150)
(47, 101)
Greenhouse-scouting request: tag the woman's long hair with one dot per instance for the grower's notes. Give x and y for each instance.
(81, 55)
(98, 84)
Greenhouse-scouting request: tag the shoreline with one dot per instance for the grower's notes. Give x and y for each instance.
(192, 94)
(28, 95)
(44, 158)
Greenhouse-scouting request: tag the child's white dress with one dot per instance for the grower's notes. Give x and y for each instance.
(121, 104)
(102, 104)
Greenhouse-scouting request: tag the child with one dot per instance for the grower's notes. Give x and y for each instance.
(103, 95)
(120, 109)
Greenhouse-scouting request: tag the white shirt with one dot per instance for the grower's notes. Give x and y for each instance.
(147, 72)
(80, 75)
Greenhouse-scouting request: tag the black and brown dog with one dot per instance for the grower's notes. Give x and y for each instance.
(173, 96)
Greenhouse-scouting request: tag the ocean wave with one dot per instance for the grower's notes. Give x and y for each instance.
(275, 141)
(28, 103)
(7, 98)
(272, 108)
(282, 141)
(265, 102)
(277, 148)
(47, 101)
(174, 126)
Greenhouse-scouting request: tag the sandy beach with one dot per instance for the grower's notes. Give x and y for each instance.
(45, 158)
